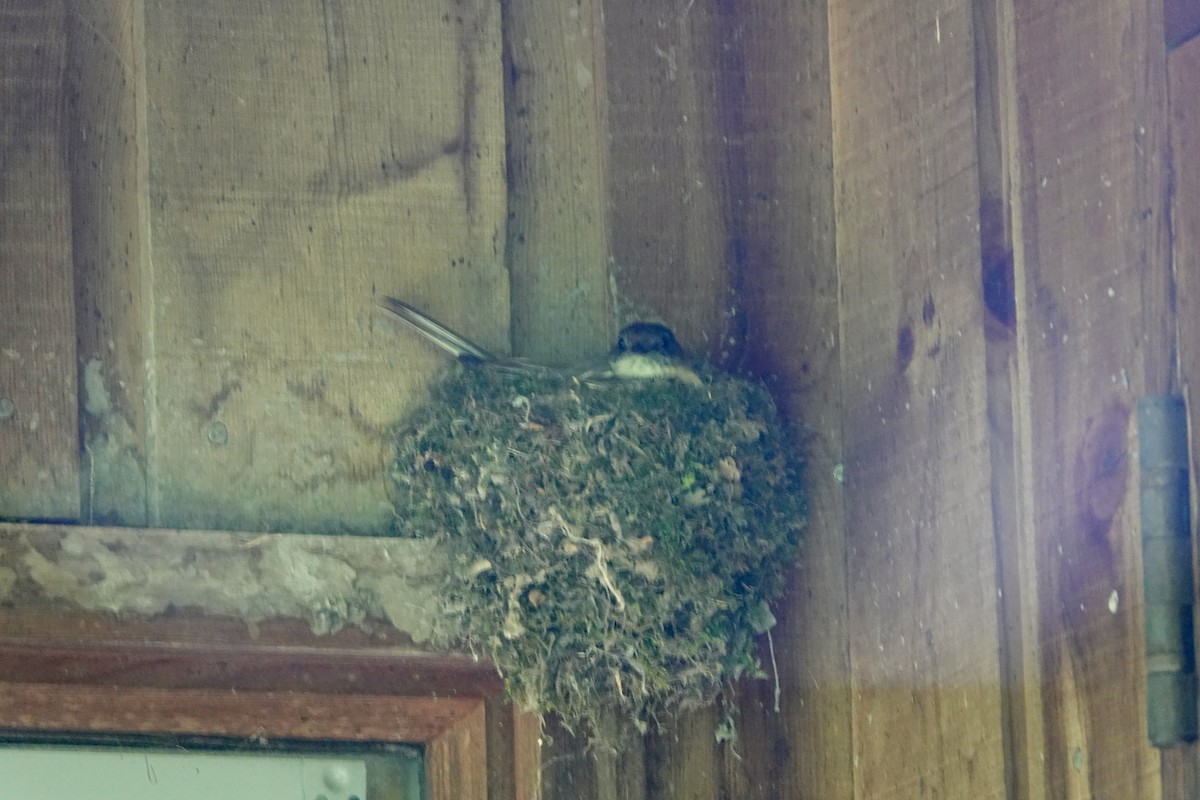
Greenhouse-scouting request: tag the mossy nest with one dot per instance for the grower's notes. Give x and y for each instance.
(614, 546)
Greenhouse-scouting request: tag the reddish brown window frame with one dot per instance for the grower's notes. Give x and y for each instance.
(186, 674)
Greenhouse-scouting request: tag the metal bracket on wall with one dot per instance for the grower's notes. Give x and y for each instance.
(1167, 570)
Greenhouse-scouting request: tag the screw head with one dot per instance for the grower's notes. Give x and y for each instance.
(336, 777)
(218, 434)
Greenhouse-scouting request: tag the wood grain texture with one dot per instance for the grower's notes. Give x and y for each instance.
(789, 293)
(685, 759)
(1092, 335)
(239, 715)
(39, 463)
(456, 761)
(190, 650)
(580, 766)
(514, 751)
(922, 575)
(1181, 765)
(105, 80)
(301, 162)
(527, 755)
(676, 96)
(1016, 560)
(558, 226)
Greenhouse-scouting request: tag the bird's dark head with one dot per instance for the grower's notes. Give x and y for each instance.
(648, 337)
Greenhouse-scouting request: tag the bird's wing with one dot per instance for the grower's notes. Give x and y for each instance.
(458, 346)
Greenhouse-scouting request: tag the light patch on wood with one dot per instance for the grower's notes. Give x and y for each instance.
(331, 582)
(115, 477)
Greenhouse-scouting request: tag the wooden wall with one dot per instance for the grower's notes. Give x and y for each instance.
(957, 238)
(241, 180)
(1181, 765)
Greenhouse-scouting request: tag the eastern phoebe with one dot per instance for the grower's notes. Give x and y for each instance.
(644, 351)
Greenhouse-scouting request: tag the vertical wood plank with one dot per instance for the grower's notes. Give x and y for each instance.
(684, 760)
(456, 762)
(1181, 764)
(514, 752)
(558, 229)
(675, 97)
(1092, 330)
(302, 161)
(107, 136)
(1016, 560)
(39, 440)
(586, 766)
(527, 756)
(789, 291)
(922, 575)
(676, 111)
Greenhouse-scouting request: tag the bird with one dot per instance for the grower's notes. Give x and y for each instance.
(644, 351)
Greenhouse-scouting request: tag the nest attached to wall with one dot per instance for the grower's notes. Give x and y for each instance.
(614, 546)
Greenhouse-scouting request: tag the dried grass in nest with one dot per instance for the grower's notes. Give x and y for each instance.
(614, 546)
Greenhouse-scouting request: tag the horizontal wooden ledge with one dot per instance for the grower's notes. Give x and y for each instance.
(245, 669)
(251, 716)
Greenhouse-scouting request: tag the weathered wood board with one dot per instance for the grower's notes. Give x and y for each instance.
(1181, 765)
(675, 170)
(298, 163)
(290, 182)
(200, 202)
(557, 235)
(39, 442)
(788, 295)
(1022, 701)
(921, 569)
(113, 280)
(1092, 336)
(242, 182)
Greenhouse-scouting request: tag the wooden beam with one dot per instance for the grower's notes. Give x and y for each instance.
(300, 162)
(105, 78)
(789, 289)
(187, 650)
(456, 760)
(557, 247)
(676, 179)
(1022, 697)
(39, 439)
(1181, 764)
(1093, 332)
(242, 715)
(923, 600)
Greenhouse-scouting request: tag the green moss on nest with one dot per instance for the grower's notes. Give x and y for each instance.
(614, 546)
